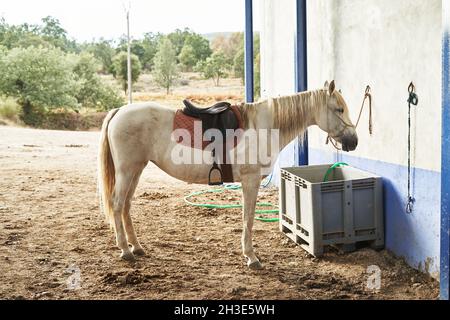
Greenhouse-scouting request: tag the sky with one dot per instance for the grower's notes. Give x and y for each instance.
(85, 20)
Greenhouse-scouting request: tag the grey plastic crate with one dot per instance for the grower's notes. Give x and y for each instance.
(345, 211)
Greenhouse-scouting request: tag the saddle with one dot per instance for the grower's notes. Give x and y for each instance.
(221, 116)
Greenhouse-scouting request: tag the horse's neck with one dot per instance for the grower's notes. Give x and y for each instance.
(292, 115)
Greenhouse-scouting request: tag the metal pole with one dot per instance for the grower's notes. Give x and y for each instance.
(445, 171)
(130, 92)
(301, 70)
(249, 59)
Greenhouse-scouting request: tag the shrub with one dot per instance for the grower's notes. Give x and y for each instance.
(93, 92)
(39, 78)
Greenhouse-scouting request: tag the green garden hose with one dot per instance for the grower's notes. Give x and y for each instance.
(233, 187)
(334, 166)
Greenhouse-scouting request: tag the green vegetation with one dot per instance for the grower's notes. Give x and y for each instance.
(120, 69)
(44, 79)
(93, 92)
(40, 79)
(45, 72)
(215, 67)
(165, 70)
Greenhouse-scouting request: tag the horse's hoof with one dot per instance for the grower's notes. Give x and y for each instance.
(139, 252)
(255, 265)
(128, 256)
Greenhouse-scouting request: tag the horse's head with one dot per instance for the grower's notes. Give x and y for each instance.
(334, 119)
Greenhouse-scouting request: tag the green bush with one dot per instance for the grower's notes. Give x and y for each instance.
(40, 79)
(93, 92)
(45, 79)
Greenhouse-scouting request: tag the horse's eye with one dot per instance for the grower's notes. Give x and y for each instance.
(341, 110)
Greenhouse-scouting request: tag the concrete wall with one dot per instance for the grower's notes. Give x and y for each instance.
(278, 27)
(385, 44)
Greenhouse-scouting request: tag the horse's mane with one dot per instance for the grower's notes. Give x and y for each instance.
(291, 114)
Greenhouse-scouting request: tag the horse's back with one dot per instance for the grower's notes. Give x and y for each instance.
(136, 128)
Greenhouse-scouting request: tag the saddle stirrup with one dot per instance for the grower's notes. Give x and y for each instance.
(215, 168)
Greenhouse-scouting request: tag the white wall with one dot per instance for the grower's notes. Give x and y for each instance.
(277, 48)
(278, 29)
(385, 44)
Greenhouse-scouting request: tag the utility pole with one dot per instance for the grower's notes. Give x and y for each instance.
(130, 92)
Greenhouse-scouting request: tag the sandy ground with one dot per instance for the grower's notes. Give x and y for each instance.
(50, 225)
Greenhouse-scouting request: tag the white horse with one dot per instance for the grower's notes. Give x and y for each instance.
(136, 134)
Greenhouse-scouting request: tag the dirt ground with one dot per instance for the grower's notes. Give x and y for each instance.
(50, 225)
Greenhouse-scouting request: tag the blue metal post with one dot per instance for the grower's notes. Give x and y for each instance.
(445, 174)
(249, 75)
(301, 68)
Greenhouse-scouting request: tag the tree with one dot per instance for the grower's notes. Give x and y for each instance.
(52, 32)
(239, 65)
(104, 52)
(201, 47)
(187, 57)
(165, 69)
(215, 67)
(120, 69)
(39, 78)
(178, 38)
(137, 48)
(93, 92)
(229, 45)
(150, 44)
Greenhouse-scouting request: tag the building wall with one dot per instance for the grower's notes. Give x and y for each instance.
(278, 27)
(385, 44)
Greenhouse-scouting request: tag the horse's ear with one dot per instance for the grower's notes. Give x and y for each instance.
(326, 85)
(332, 87)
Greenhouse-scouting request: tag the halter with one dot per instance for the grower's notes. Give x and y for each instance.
(367, 95)
(331, 139)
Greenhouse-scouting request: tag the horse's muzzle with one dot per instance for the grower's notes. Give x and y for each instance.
(349, 142)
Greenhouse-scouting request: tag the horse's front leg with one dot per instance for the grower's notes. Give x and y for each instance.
(250, 188)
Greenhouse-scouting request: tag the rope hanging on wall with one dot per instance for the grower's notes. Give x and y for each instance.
(367, 96)
(413, 100)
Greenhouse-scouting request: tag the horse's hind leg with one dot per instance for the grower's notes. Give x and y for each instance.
(123, 183)
(131, 234)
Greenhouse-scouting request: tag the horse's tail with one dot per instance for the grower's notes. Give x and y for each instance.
(106, 170)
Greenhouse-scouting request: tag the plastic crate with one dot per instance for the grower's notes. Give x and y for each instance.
(343, 212)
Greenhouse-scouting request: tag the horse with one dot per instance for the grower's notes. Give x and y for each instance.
(134, 135)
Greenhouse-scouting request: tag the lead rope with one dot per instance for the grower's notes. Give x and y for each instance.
(367, 96)
(412, 100)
